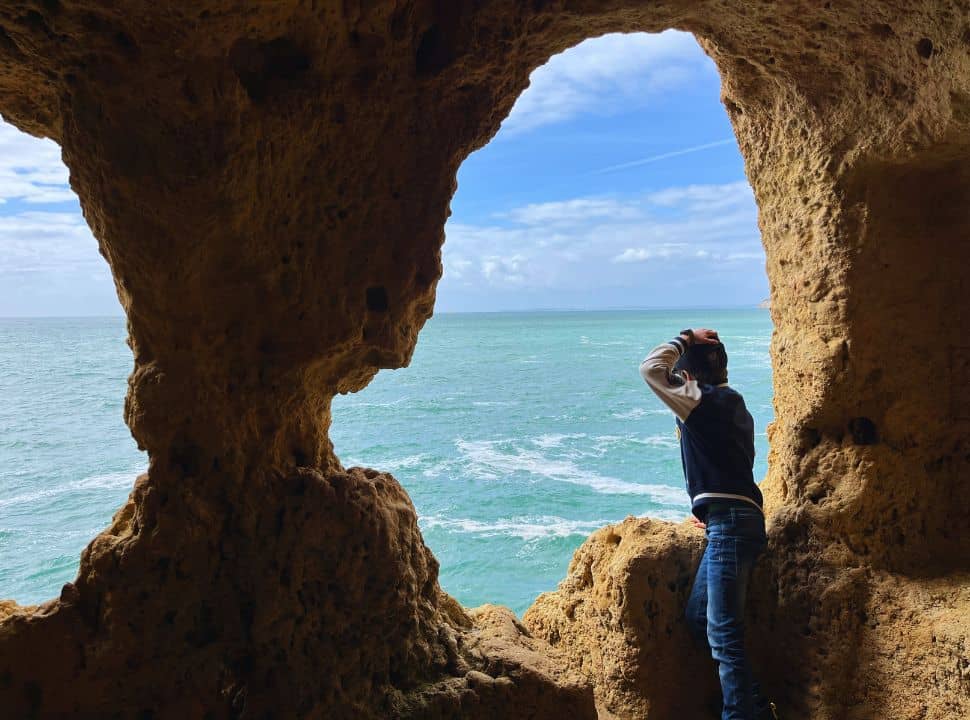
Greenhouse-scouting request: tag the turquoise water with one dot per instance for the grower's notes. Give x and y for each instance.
(516, 435)
(67, 461)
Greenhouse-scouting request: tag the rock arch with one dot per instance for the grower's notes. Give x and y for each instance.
(269, 183)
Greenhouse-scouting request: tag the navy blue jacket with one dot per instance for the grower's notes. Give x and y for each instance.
(716, 433)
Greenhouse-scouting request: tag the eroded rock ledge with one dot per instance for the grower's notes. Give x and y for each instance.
(269, 184)
(833, 641)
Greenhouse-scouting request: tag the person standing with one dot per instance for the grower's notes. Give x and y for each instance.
(716, 433)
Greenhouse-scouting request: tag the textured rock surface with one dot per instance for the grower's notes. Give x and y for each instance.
(829, 641)
(616, 619)
(269, 183)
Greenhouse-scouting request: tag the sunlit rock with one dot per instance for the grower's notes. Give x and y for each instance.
(269, 182)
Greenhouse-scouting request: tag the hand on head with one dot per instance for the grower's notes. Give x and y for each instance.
(704, 336)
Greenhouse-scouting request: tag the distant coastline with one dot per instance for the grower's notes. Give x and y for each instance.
(618, 308)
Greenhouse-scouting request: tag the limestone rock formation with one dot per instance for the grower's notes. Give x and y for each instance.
(828, 641)
(616, 618)
(519, 676)
(269, 182)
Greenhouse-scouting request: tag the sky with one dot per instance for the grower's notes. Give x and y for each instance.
(614, 182)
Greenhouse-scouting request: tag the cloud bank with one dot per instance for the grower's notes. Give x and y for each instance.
(603, 76)
(31, 169)
(49, 261)
(586, 243)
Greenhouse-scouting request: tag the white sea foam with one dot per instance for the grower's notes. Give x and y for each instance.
(485, 459)
(353, 402)
(438, 468)
(404, 463)
(669, 514)
(552, 440)
(389, 465)
(530, 527)
(664, 441)
(108, 481)
(585, 340)
(638, 412)
(537, 527)
(603, 444)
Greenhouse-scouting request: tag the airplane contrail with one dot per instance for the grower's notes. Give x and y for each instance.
(662, 156)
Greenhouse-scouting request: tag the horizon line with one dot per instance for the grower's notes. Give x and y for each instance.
(611, 308)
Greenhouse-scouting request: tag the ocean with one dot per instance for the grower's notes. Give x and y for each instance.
(516, 435)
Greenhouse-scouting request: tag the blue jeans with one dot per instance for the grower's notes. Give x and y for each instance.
(715, 609)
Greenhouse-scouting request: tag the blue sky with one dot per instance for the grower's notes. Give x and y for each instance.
(614, 182)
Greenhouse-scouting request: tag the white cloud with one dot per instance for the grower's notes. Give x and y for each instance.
(491, 256)
(456, 266)
(569, 212)
(504, 270)
(38, 242)
(704, 198)
(605, 75)
(31, 169)
(663, 251)
(49, 260)
(680, 252)
(603, 241)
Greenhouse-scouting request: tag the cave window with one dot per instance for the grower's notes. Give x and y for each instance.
(67, 461)
(614, 185)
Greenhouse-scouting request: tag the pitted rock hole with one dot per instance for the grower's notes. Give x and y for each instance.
(863, 431)
(377, 299)
(268, 69)
(436, 49)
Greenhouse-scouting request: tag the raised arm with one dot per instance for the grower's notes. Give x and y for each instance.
(656, 369)
(681, 397)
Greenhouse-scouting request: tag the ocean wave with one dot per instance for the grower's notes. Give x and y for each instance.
(602, 444)
(670, 514)
(351, 401)
(439, 468)
(486, 460)
(667, 440)
(108, 481)
(538, 527)
(639, 412)
(552, 440)
(389, 465)
(48, 536)
(404, 463)
(530, 527)
(585, 340)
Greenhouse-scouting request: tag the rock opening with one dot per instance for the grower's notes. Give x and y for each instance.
(602, 190)
(303, 589)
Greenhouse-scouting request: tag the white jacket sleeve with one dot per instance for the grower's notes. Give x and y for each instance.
(656, 369)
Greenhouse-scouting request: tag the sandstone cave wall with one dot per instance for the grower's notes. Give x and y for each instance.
(269, 184)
